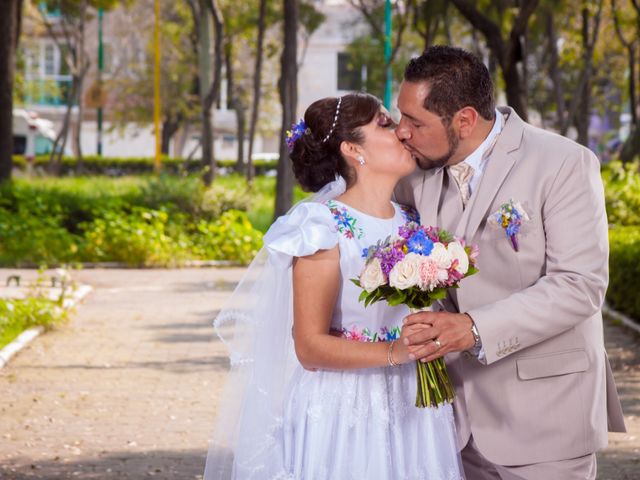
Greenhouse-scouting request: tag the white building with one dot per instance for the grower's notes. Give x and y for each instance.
(323, 72)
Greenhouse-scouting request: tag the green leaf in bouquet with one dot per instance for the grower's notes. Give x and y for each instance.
(364, 294)
(445, 237)
(356, 282)
(472, 271)
(397, 298)
(438, 294)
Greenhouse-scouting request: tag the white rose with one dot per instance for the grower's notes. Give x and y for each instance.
(406, 273)
(440, 256)
(456, 250)
(372, 276)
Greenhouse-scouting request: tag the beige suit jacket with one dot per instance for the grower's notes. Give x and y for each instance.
(546, 392)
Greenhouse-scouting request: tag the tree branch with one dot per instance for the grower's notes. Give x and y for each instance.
(484, 24)
(616, 22)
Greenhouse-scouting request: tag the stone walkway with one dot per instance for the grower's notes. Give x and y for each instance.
(128, 389)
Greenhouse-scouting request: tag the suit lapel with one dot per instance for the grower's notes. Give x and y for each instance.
(427, 194)
(502, 159)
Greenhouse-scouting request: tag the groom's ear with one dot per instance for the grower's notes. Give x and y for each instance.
(467, 119)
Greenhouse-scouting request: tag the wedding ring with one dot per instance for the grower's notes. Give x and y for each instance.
(438, 344)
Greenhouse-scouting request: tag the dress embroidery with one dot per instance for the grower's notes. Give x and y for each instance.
(410, 214)
(365, 335)
(345, 223)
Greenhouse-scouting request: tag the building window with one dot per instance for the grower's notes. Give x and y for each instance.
(349, 77)
(50, 59)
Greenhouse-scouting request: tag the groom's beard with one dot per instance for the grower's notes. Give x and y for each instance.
(426, 163)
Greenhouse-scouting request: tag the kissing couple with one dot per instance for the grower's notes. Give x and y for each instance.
(323, 388)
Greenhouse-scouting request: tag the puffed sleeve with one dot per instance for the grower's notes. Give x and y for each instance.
(309, 227)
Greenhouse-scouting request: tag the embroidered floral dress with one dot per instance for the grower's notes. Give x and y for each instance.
(358, 424)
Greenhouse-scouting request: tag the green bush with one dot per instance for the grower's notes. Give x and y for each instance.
(624, 270)
(622, 193)
(27, 237)
(150, 221)
(139, 238)
(231, 237)
(18, 315)
(119, 166)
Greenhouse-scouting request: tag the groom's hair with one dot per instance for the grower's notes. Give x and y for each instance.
(457, 79)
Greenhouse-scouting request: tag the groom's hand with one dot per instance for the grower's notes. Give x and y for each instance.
(431, 335)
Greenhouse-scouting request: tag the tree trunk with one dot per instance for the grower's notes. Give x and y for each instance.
(235, 102)
(631, 147)
(60, 143)
(507, 52)
(241, 127)
(633, 101)
(257, 89)
(77, 133)
(10, 15)
(169, 128)
(579, 108)
(82, 68)
(213, 92)
(583, 116)
(630, 46)
(554, 69)
(289, 99)
(515, 90)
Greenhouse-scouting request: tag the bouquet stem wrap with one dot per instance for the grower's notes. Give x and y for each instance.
(434, 385)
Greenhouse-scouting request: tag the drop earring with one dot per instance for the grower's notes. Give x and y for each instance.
(360, 159)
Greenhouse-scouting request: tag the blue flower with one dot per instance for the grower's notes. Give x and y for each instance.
(365, 252)
(512, 228)
(420, 244)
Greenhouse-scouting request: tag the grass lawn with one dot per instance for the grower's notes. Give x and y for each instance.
(18, 315)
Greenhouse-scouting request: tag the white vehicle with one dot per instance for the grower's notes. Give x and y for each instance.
(32, 135)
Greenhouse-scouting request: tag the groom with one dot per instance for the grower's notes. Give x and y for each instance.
(523, 338)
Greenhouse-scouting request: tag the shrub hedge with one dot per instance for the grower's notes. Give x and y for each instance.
(624, 270)
(141, 221)
(622, 193)
(116, 166)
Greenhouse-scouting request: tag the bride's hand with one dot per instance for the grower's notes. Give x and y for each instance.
(406, 331)
(401, 352)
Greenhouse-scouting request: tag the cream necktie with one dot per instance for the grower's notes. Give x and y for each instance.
(462, 173)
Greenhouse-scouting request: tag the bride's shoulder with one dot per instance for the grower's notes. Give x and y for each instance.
(409, 213)
(304, 230)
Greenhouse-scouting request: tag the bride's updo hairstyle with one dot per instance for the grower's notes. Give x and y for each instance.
(316, 153)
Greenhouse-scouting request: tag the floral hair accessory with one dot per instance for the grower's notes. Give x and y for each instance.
(510, 217)
(297, 130)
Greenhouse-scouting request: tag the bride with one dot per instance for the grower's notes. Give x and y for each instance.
(320, 387)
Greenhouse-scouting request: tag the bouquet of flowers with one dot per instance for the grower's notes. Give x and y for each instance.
(415, 268)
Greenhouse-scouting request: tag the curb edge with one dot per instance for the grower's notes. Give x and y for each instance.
(28, 335)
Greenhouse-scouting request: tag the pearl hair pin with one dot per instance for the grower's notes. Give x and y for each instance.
(335, 120)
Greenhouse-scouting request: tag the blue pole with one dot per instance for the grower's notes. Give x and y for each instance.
(387, 54)
(100, 69)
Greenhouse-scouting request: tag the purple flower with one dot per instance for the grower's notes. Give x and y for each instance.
(433, 233)
(388, 258)
(407, 230)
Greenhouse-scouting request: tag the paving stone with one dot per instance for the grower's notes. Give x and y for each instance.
(128, 389)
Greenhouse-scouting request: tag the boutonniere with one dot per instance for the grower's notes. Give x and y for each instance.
(510, 216)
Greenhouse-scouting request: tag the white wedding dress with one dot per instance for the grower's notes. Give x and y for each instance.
(341, 425)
